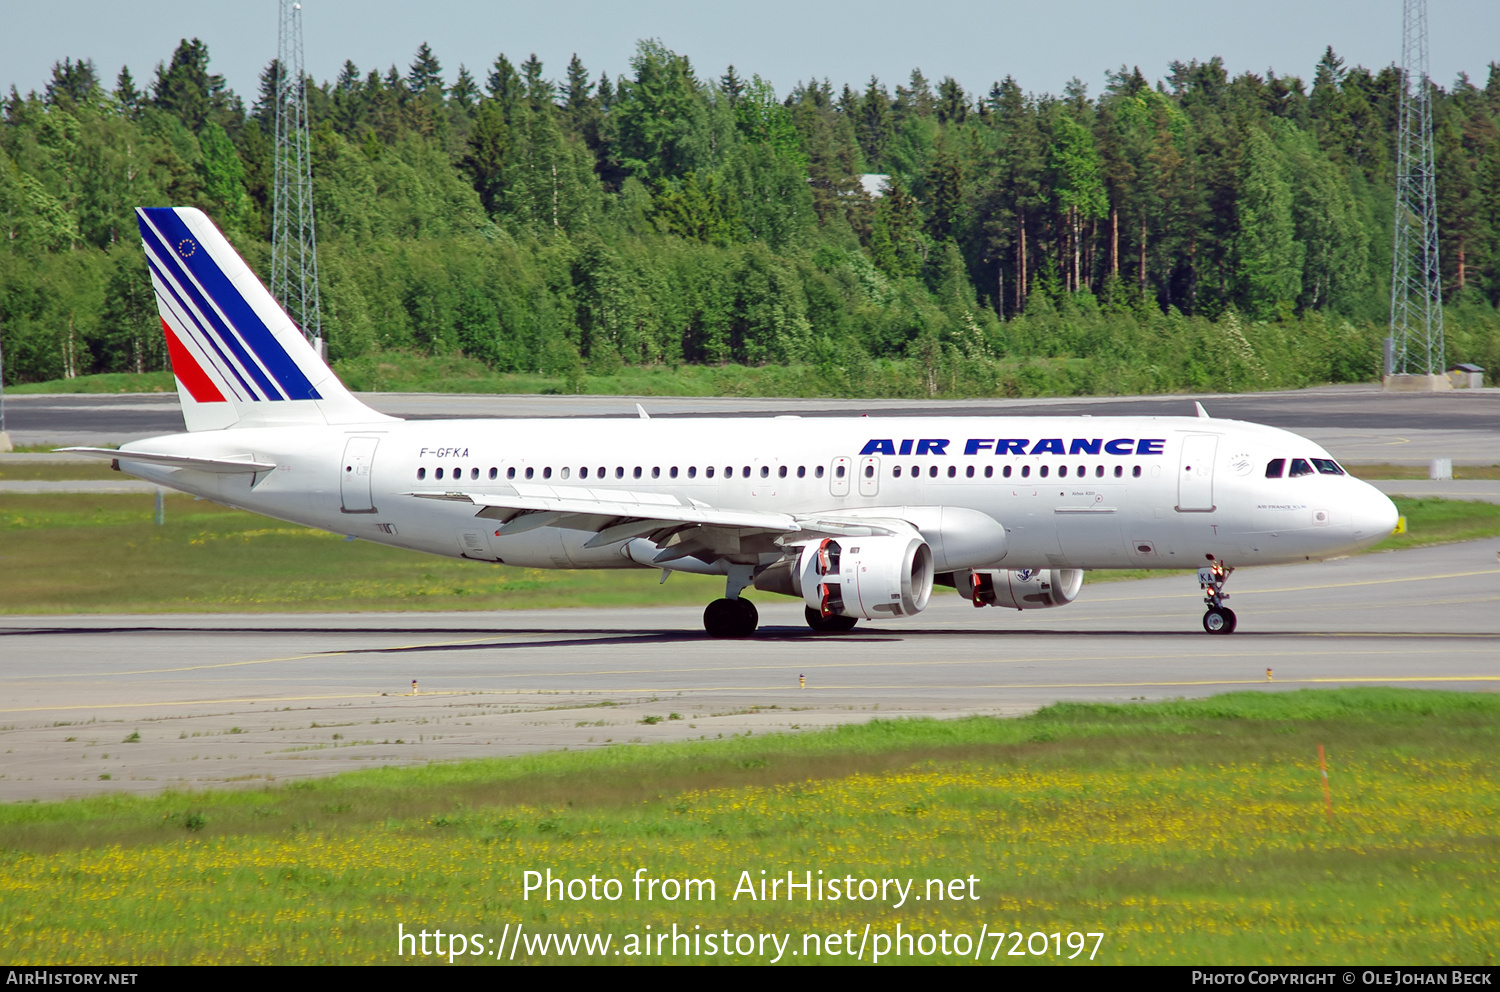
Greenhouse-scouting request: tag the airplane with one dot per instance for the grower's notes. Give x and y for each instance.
(859, 517)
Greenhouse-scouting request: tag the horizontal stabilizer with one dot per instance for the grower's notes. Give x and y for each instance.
(234, 465)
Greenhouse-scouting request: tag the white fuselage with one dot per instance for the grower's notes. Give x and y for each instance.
(1071, 492)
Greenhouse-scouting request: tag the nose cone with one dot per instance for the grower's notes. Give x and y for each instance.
(1373, 515)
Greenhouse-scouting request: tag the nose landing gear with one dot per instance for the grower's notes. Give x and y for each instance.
(1218, 619)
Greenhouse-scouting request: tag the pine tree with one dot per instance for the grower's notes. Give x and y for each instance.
(425, 76)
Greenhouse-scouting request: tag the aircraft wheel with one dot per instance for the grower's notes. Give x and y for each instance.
(835, 624)
(730, 618)
(1219, 620)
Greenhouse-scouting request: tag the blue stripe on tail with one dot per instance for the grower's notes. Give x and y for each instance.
(251, 329)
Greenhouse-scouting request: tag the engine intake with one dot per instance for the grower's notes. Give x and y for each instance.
(865, 577)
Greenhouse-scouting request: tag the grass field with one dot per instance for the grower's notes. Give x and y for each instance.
(70, 553)
(1183, 832)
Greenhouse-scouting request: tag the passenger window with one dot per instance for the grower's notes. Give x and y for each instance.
(1119, 471)
(1327, 466)
(1044, 470)
(637, 473)
(656, 471)
(952, 471)
(619, 471)
(932, 472)
(916, 470)
(781, 472)
(1299, 468)
(438, 474)
(1006, 472)
(840, 472)
(493, 473)
(1275, 467)
(989, 471)
(869, 471)
(1025, 471)
(709, 472)
(673, 472)
(510, 473)
(969, 472)
(599, 474)
(530, 472)
(895, 472)
(765, 471)
(728, 471)
(1082, 471)
(1062, 471)
(818, 472)
(1098, 471)
(547, 472)
(746, 472)
(583, 473)
(458, 473)
(565, 472)
(692, 471)
(473, 473)
(1135, 473)
(801, 471)
(422, 473)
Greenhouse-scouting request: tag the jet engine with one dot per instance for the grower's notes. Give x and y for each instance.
(1020, 589)
(864, 577)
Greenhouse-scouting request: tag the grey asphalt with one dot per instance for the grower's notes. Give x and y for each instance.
(1355, 422)
(224, 699)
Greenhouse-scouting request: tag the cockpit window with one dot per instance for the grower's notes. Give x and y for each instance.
(1327, 466)
(1299, 468)
(1275, 467)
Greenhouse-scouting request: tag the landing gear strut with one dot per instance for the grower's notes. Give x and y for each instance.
(1219, 619)
(732, 616)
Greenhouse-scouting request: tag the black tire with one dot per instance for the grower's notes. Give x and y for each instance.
(730, 618)
(1219, 620)
(836, 624)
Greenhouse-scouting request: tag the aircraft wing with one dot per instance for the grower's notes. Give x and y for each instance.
(618, 515)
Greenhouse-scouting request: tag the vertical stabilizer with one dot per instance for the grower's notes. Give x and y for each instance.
(238, 358)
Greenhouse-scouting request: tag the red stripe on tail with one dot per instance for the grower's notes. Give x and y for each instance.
(188, 372)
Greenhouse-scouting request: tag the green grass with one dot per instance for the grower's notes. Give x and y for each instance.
(1185, 832)
(59, 472)
(109, 382)
(1386, 470)
(72, 553)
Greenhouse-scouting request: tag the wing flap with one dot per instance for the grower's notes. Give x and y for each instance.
(613, 503)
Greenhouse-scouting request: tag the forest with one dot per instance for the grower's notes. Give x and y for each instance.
(1192, 232)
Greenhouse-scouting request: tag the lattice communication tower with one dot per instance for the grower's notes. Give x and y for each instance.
(294, 241)
(1416, 285)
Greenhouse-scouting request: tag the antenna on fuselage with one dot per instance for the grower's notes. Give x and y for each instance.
(642, 411)
(1201, 412)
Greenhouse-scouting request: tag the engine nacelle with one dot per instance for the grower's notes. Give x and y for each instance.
(865, 577)
(1021, 589)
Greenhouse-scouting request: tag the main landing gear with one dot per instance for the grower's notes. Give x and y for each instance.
(732, 616)
(1219, 619)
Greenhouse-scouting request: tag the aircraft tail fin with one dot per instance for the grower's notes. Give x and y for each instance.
(239, 360)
